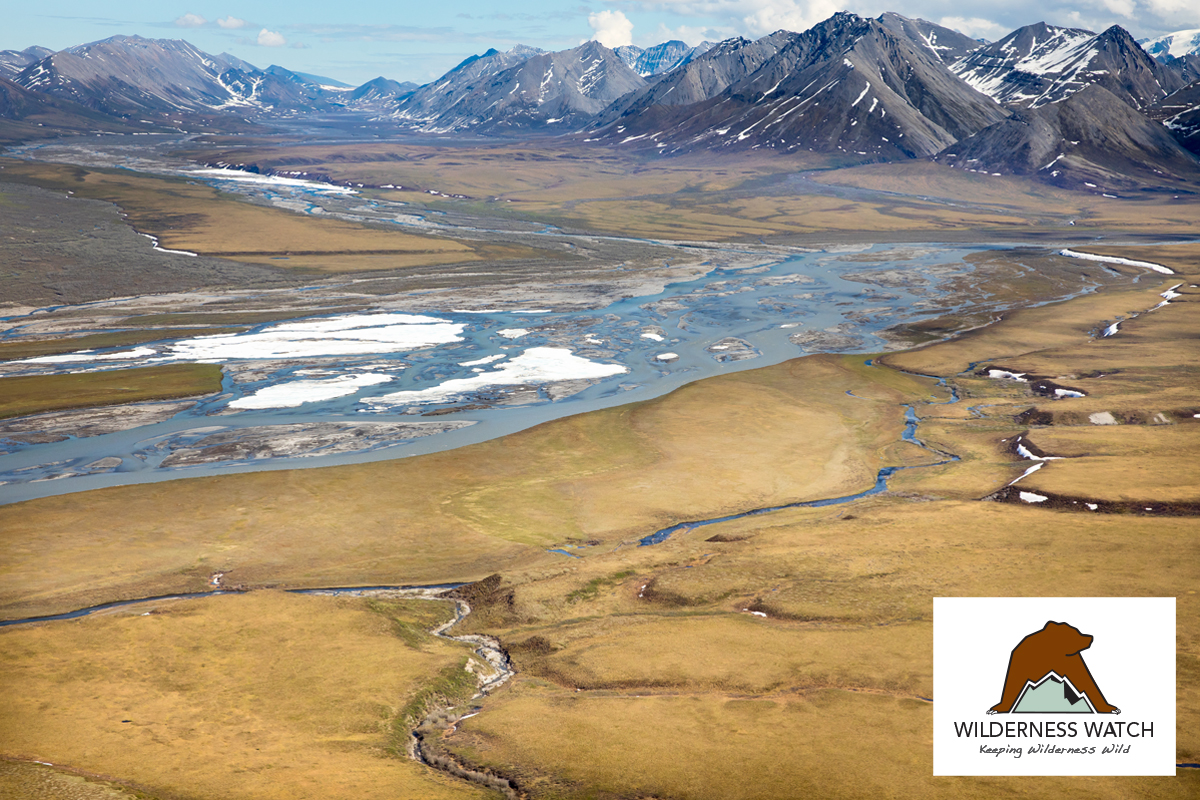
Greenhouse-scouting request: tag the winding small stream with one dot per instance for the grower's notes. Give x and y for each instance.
(911, 421)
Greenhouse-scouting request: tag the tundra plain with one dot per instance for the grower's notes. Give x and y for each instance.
(777, 655)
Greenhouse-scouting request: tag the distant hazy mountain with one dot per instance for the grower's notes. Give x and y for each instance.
(1178, 52)
(1173, 45)
(660, 58)
(321, 80)
(27, 114)
(379, 94)
(438, 97)
(13, 61)
(18, 103)
(564, 89)
(129, 76)
(701, 78)
(946, 44)
(1087, 110)
(126, 75)
(1041, 64)
(1092, 140)
(848, 85)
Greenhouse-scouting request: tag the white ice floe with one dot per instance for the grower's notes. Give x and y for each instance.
(535, 365)
(755, 613)
(1092, 506)
(295, 393)
(1114, 260)
(1102, 418)
(273, 180)
(154, 244)
(1025, 452)
(1027, 472)
(656, 337)
(1003, 374)
(1068, 393)
(513, 333)
(484, 360)
(790, 325)
(668, 357)
(354, 334)
(1112, 329)
(92, 355)
(1168, 296)
(1030, 497)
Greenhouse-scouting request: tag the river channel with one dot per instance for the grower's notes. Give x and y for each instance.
(420, 372)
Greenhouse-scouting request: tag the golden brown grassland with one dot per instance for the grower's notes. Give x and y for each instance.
(1154, 215)
(690, 197)
(266, 695)
(643, 674)
(641, 670)
(186, 215)
(744, 440)
(34, 394)
(25, 780)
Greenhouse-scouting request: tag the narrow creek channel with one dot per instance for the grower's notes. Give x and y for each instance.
(492, 670)
(911, 421)
(496, 668)
(493, 667)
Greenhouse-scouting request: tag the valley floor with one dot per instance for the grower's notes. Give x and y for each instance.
(780, 654)
(772, 655)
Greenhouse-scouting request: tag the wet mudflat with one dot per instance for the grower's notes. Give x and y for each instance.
(495, 369)
(346, 369)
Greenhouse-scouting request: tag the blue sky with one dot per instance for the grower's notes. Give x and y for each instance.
(356, 40)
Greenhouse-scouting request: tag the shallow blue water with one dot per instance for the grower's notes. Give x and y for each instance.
(807, 292)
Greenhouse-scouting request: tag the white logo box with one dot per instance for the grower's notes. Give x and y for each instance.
(1131, 658)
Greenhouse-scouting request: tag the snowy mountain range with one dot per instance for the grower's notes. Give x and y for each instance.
(660, 58)
(1041, 64)
(522, 90)
(1067, 106)
(1173, 45)
(847, 85)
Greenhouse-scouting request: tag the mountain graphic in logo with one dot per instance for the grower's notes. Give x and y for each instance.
(1047, 674)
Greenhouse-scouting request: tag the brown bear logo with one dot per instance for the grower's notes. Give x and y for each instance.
(1057, 648)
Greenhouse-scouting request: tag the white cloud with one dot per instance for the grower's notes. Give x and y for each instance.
(191, 21)
(1123, 7)
(231, 23)
(1167, 7)
(612, 28)
(268, 38)
(976, 27)
(690, 34)
(683, 19)
(790, 15)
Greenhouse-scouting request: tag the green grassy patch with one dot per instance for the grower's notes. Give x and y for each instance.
(11, 351)
(34, 394)
(592, 588)
(229, 317)
(451, 686)
(412, 619)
